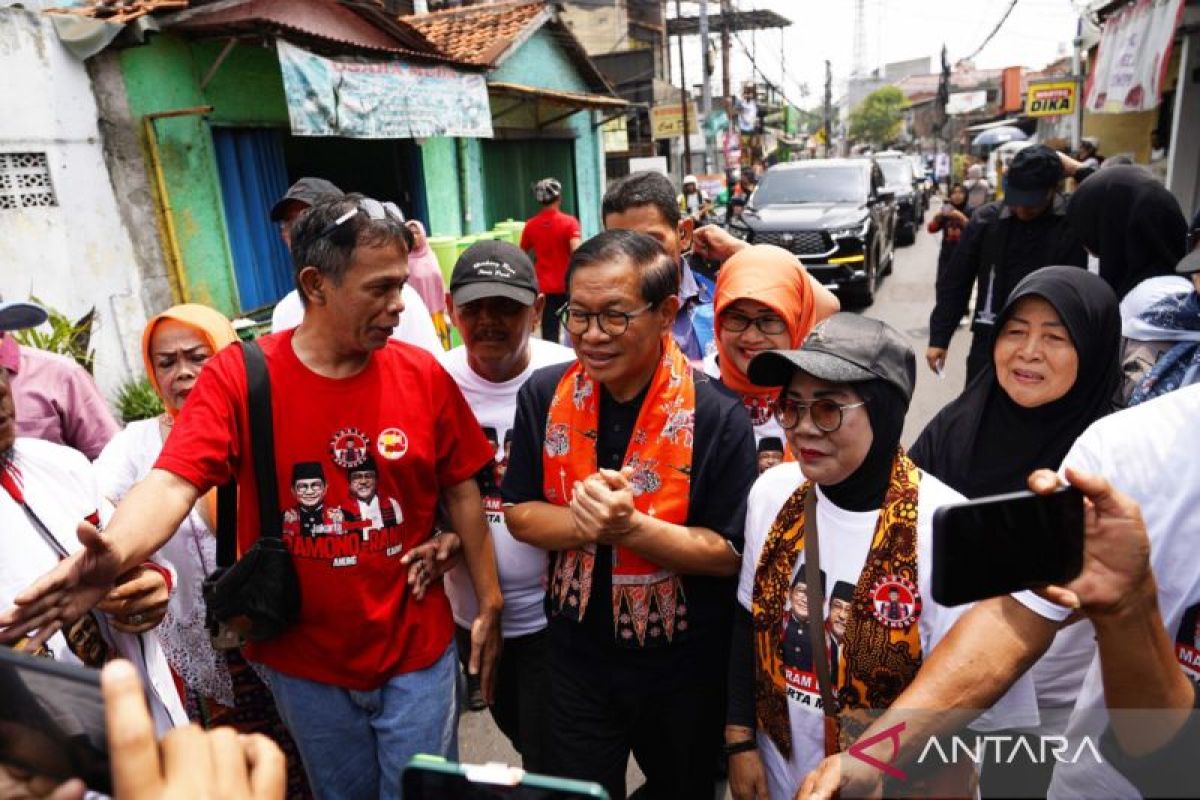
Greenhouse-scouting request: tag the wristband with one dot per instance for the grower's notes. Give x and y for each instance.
(161, 570)
(732, 749)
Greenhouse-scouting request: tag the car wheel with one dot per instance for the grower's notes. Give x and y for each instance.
(906, 234)
(864, 294)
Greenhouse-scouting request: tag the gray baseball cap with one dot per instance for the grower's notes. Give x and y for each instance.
(307, 191)
(845, 348)
(1190, 263)
(493, 269)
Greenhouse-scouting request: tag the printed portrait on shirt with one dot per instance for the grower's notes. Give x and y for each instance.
(1187, 642)
(797, 643)
(380, 512)
(835, 629)
(312, 515)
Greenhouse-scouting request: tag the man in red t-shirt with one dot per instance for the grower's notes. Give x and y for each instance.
(366, 677)
(550, 236)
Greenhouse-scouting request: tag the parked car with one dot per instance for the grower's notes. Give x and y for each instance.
(910, 201)
(834, 214)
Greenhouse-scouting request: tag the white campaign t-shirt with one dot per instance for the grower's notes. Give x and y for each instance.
(845, 542)
(522, 567)
(1149, 452)
(416, 326)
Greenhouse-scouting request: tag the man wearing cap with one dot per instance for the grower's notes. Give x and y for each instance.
(56, 399)
(630, 469)
(1005, 241)
(694, 203)
(549, 237)
(495, 305)
(844, 399)
(416, 325)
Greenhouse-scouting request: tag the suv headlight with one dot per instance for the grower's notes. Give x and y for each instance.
(857, 231)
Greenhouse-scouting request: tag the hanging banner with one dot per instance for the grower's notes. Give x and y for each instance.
(365, 99)
(1050, 99)
(1131, 65)
(966, 102)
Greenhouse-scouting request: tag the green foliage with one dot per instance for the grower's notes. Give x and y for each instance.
(138, 400)
(60, 335)
(877, 118)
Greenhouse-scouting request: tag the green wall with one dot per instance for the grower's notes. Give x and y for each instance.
(247, 90)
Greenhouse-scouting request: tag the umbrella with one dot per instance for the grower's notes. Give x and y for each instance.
(1000, 135)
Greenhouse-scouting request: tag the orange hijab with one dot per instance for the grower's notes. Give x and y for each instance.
(214, 326)
(774, 277)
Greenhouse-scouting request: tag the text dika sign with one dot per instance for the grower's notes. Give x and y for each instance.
(666, 122)
(1050, 99)
(365, 99)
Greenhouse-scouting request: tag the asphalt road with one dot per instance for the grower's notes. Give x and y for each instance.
(904, 301)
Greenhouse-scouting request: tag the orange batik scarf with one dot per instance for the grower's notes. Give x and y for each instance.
(648, 603)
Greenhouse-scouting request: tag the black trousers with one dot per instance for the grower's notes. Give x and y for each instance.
(521, 700)
(601, 710)
(549, 316)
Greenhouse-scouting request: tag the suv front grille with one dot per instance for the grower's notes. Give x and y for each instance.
(802, 243)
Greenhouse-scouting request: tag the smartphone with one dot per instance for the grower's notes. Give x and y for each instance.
(433, 778)
(1003, 544)
(52, 720)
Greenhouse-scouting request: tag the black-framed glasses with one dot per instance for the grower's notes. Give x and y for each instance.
(826, 414)
(369, 206)
(770, 325)
(610, 321)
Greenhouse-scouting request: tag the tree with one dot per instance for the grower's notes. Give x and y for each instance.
(877, 118)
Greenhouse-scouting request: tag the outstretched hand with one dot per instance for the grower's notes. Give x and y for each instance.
(65, 593)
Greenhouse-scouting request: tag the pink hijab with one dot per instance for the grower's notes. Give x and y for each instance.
(425, 274)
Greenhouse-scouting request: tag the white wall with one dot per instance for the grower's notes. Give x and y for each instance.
(77, 254)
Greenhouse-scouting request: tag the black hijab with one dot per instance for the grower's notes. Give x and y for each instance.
(866, 487)
(1131, 223)
(983, 443)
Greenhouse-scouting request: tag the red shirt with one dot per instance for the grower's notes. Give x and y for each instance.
(359, 624)
(548, 234)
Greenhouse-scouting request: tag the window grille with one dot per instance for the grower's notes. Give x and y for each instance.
(25, 181)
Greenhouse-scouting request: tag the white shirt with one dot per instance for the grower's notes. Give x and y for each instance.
(416, 326)
(1149, 452)
(845, 543)
(522, 567)
(59, 486)
(192, 553)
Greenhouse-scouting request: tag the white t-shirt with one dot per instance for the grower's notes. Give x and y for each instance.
(59, 486)
(192, 552)
(522, 567)
(845, 542)
(761, 419)
(416, 326)
(1149, 453)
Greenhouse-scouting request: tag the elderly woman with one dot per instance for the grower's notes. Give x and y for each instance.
(826, 633)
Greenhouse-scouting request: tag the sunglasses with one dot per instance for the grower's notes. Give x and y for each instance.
(369, 206)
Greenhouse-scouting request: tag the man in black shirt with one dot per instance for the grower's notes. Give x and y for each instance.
(610, 693)
(1004, 241)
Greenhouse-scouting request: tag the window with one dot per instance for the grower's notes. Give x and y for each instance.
(25, 181)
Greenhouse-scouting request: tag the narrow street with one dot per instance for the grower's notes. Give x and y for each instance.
(904, 301)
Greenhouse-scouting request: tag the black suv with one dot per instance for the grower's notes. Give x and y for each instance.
(910, 201)
(834, 214)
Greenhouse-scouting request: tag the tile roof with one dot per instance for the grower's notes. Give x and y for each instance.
(479, 34)
(120, 10)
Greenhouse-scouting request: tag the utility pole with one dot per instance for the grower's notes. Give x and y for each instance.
(828, 107)
(726, 11)
(683, 102)
(705, 92)
(1077, 76)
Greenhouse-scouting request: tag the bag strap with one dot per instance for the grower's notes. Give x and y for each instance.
(816, 602)
(262, 451)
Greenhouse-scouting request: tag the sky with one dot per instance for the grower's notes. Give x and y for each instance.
(1036, 33)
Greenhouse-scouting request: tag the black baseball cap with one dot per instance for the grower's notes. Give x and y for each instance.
(1032, 172)
(493, 268)
(17, 315)
(307, 191)
(845, 348)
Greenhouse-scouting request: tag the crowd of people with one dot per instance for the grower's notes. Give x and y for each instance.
(636, 512)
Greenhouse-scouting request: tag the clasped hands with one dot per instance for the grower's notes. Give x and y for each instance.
(602, 507)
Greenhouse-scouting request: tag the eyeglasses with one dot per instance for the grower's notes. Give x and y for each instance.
(770, 325)
(369, 206)
(610, 321)
(826, 414)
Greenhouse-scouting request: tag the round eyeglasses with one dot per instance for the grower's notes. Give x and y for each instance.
(826, 414)
(769, 325)
(610, 321)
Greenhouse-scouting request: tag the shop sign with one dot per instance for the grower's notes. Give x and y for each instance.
(666, 121)
(1131, 65)
(966, 102)
(1050, 99)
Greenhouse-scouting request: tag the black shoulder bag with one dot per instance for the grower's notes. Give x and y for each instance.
(256, 597)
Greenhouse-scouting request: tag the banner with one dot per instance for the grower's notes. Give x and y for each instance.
(1050, 99)
(666, 121)
(1131, 65)
(966, 102)
(364, 99)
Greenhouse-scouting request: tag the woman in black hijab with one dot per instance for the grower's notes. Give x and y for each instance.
(1128, 220)
(1055, 368)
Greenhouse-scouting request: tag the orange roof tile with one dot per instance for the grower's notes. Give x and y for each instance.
(120, 10)
(478, 34)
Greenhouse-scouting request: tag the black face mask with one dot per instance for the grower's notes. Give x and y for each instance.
(866, 487)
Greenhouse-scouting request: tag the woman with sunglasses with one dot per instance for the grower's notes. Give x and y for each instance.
(764, 301)
(825, 634)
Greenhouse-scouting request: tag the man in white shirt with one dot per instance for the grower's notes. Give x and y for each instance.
(495, 304)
